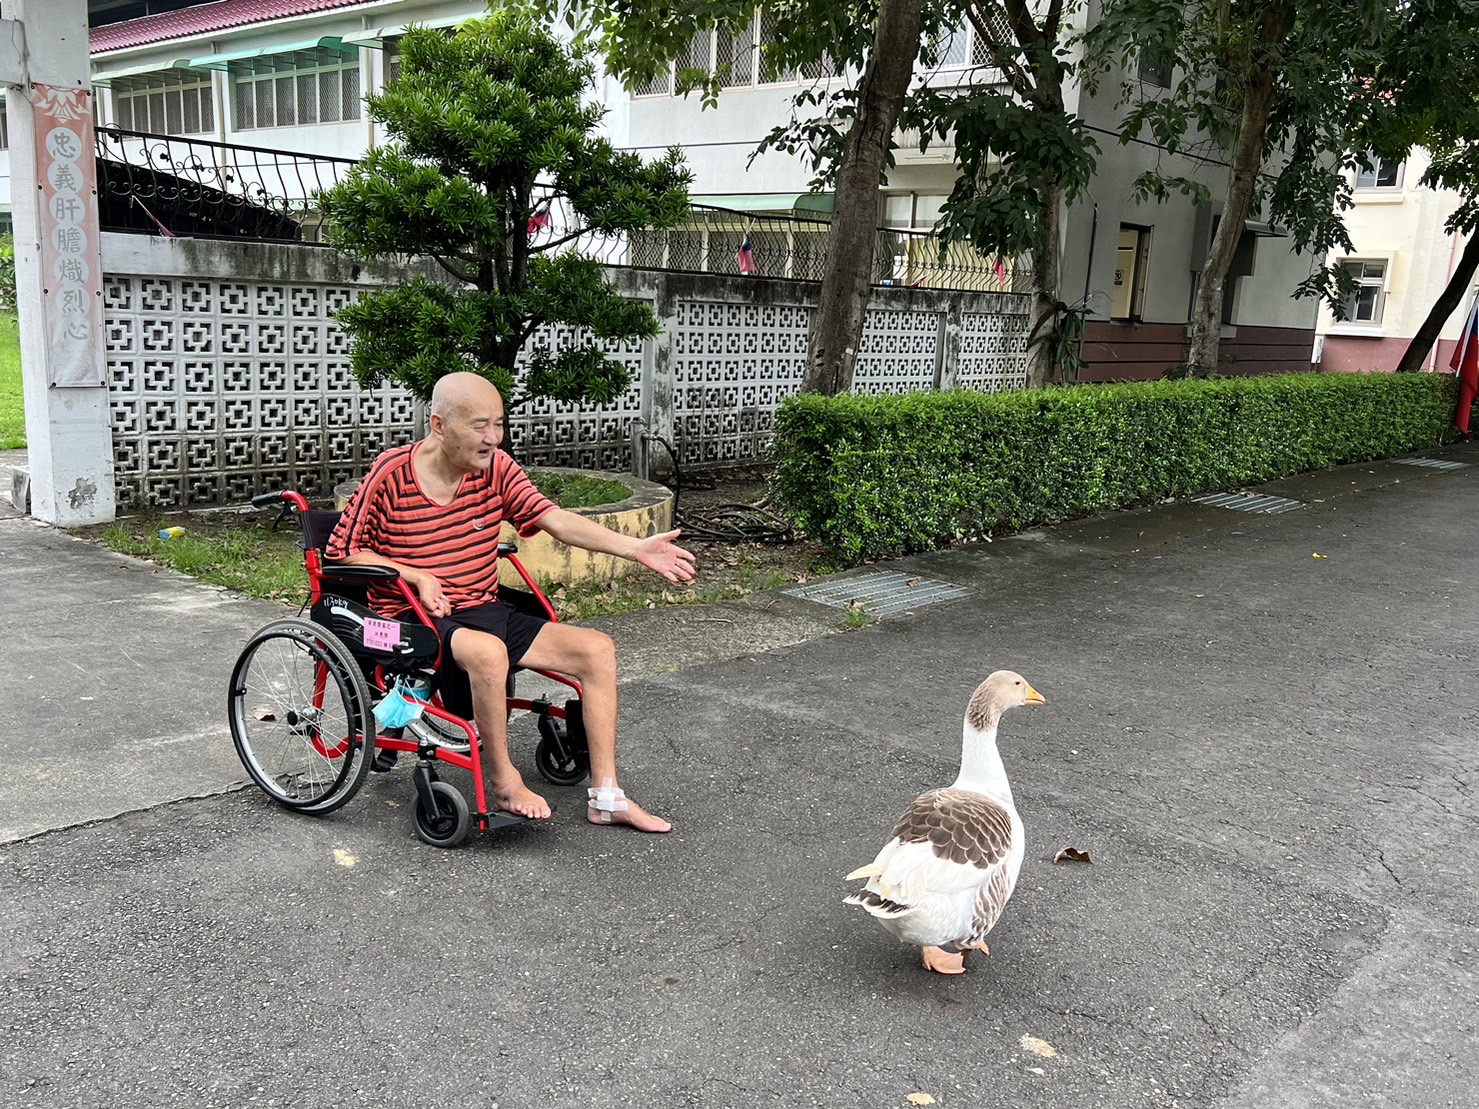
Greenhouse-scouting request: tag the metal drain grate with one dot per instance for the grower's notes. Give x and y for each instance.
(1433, 463)
(1243, 502)
(881, 593)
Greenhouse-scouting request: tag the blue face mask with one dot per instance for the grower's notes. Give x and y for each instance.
(396, 710)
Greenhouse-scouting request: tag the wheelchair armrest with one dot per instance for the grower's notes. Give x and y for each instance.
(506, 549)
(340, 571)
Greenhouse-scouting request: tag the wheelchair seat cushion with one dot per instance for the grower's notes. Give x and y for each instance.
(416, 647)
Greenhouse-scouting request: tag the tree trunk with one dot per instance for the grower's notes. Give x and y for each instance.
(849, 268)
(1047, 259)
(1448, 300)
(1247, 163)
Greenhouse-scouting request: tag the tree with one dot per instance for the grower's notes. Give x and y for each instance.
(1275, 84)
(847, 274)
(488, 130)
(1423, 94)
(1022, 156)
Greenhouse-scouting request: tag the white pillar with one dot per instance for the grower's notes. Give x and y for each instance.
(58, 267)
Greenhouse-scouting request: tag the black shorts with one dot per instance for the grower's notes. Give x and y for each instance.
(516, 629)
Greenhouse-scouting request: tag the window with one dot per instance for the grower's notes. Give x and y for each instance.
(1155, 71)
(965, 48)
(1130, 268)
(392, 60)
(737, 58)
(302, 87)
(1381, 175)
(170, 102)
(4, 126)
(1364, 305)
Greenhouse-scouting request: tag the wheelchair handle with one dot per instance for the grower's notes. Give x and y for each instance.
(297, 500)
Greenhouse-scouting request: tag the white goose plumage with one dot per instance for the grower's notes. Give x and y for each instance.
(946, 873)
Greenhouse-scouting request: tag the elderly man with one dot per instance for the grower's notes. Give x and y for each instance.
(432, 510)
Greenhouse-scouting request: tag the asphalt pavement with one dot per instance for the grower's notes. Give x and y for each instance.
(1259, 726)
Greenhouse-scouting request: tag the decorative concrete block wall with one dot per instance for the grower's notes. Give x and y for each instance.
(228, 375)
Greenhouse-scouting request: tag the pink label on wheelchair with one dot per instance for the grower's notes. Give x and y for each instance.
(382, 635)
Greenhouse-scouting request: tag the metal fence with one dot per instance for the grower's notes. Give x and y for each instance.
(168, 185)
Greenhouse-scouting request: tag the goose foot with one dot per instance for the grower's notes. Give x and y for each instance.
(941, 961)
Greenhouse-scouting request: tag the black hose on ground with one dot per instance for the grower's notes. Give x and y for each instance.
(723, 523)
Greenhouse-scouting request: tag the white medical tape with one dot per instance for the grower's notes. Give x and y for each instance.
(606, 799)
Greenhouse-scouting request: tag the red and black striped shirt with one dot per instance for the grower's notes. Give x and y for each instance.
(390, 516)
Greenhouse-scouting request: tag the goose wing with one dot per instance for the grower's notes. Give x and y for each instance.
(947, 842)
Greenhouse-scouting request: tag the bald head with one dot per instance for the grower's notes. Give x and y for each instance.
(459, 393)
(466, 421)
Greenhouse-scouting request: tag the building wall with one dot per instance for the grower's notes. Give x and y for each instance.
(1401, 227)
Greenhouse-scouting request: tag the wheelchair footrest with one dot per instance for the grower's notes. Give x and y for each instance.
(499, 819)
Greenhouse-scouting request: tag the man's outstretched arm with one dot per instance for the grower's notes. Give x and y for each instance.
(657, 552)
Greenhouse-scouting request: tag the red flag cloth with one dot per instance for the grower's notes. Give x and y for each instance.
(1000, 269)
(1466, 361)
(538, 222)
(745, 256)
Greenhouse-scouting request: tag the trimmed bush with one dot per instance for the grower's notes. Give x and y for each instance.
(876, 476)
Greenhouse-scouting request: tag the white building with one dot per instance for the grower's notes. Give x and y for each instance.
(1402, 261)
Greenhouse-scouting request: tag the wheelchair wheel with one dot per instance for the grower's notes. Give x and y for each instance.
(451, 823)
(560, 761)
(300, 716)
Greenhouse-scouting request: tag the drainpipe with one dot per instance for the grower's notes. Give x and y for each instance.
(1088, 274)
(1431, 362)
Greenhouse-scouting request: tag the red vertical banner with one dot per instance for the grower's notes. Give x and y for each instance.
(71, 260)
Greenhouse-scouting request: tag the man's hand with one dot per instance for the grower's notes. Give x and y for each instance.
(660, 554)
(429, 590)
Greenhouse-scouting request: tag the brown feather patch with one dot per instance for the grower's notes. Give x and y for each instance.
(960, 826)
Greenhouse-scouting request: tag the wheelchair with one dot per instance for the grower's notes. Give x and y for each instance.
(303, 696)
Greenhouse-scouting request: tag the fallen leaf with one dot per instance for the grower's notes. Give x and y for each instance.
(343, 857)
(1072, 854)
(265, 714)
(1039, 1047)
(920, 1099)
(1319, 555)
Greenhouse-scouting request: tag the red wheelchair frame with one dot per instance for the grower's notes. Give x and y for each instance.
(306, 766)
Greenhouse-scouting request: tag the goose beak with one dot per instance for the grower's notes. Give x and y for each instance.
(1034, 697)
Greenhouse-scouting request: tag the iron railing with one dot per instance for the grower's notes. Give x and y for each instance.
(168, 185)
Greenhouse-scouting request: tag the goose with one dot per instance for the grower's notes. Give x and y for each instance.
(944, 876)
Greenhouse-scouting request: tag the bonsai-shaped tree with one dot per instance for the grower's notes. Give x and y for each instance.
(488, 129)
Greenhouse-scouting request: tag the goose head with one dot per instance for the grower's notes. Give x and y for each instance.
(1002, 690)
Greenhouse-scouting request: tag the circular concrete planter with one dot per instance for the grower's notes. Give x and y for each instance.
(648, 510)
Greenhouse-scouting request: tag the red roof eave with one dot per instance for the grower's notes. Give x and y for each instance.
(203, 19)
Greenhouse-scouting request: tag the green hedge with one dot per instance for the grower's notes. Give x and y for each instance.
(875, 476)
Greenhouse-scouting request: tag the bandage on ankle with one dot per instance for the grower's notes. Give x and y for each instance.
(606, 799)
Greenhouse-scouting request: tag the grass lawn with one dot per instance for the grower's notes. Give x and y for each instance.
(12, 407)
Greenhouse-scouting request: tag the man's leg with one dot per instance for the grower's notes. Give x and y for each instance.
(589, 657)
(485, 659)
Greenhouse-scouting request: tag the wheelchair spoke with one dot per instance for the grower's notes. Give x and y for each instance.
(297, 716)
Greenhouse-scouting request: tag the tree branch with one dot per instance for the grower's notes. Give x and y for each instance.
(465, 276)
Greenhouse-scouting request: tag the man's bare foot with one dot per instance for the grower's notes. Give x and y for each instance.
(519, 798)
(623, 811)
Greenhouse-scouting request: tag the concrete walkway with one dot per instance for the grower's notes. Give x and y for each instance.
(1260, 726)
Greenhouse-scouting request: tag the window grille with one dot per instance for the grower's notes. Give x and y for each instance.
(170, 102)
(291, 90)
